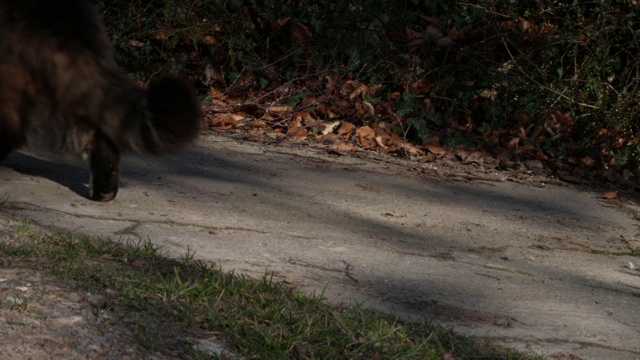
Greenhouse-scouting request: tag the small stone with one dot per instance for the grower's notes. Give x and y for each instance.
(64, 322)
(75, 297)
(94, 348)
(97, 301)
(12, 283)
(534, 166)
(34, 279)
(211, 347)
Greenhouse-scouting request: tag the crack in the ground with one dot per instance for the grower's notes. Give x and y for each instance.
(307, 264)
(347, 271)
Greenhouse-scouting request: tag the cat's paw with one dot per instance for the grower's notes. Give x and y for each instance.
(102, 195)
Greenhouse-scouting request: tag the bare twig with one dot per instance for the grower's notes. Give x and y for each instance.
(521, 70)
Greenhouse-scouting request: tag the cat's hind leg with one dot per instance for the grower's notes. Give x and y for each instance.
(104, 160)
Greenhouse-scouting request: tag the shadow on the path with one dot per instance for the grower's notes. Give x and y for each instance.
(72, 177)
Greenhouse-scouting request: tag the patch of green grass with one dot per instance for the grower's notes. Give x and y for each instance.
(166, 302)
(18, 302)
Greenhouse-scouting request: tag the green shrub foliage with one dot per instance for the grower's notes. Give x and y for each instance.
(563, 75)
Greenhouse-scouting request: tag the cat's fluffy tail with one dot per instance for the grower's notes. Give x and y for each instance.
(174, 113)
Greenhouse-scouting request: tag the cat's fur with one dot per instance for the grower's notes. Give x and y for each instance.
(58, 77)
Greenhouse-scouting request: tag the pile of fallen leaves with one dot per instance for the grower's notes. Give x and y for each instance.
(321, 117)
(349, 116)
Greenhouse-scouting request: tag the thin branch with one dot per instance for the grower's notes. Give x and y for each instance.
(561, 95)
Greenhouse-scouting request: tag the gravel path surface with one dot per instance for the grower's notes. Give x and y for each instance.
(512, 257)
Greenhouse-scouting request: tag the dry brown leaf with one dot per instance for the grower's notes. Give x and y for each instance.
(410, 149)
(240, 87)
(387, 108)
(380, 141)
(341, 148)
(365, 108)
(346, 128)
(255, 134)
(329, 128)
(366, 135)
(537, 132)
(308, 101)
(257, 124)
(345, 108)
(505, 164)
(414, 38)
(268, 118)
(161, 36)
(558, 121)
(524, 149)
(275, 25)
(301, 34)
(421, 86)
(216, 94)
(513, 143)
(444, 42)
(588, 161)
(461, 153)
(306, 118)
(280, 109)
(524, 25)
(507, 25)
(322, 110)
(522, 132)
(542, 157)
(251, 109)
(433, 32)
(326, 112)
(135, 43)
(211, 75)
(571, 160)
(610, 195)
(209, 40)
(331, 138)
(295, 122)
(373, 89)
(385, 128)
(436, 150)
(223, 121)
(298, 132)
(358, 92)
(476, 157)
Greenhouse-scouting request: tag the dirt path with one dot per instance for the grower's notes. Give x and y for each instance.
(529, 265)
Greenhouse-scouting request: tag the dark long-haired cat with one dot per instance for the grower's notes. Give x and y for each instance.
(58, 77)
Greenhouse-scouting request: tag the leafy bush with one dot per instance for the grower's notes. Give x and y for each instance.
(560, 77)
